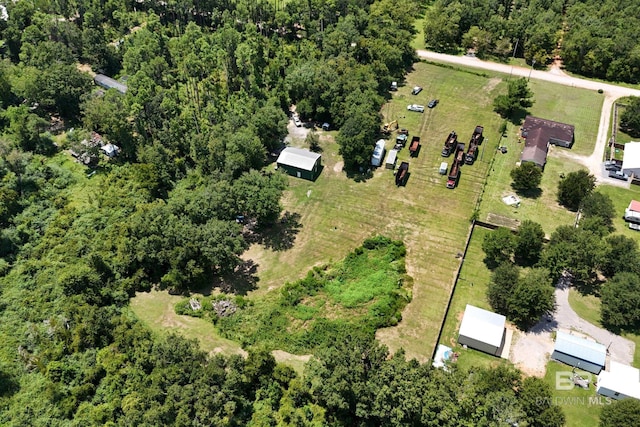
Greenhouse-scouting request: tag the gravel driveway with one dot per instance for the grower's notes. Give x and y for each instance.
(532, 349)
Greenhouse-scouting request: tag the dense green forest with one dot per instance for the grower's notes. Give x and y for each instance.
(210, 84)
(594, 38)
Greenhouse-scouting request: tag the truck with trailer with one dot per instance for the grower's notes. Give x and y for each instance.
(449, 144)
(415, 146)
(402, 174)
(474, 143)
(454, 175)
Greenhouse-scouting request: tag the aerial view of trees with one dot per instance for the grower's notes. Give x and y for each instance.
(594, 38)
(514, 104)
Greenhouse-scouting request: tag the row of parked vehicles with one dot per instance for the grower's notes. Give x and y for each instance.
(452, 146)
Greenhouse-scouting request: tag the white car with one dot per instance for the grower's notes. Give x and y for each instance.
(415, 107)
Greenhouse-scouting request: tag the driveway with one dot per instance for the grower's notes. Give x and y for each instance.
(620, 349)
(556, 75)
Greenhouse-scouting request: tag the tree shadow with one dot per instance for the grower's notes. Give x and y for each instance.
(531, 193)
(360, 176)
(279, 236)
(239, 282)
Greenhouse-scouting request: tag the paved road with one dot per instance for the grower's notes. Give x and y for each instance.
(556, 75)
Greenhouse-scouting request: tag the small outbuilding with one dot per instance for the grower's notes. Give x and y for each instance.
(631, 159)
(392, 158)
(109, 83)
(482, 330)
(300, 163)
(619, 382)
(579, 352)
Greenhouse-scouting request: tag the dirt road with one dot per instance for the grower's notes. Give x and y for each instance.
(556, 75)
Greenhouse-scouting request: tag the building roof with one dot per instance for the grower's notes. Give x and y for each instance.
(621, 379)
(539, 133)
(483, 325)
(581, 348)
(634, 206)
(535, 149)
(631, 158)
(298, 158)
(109, 83)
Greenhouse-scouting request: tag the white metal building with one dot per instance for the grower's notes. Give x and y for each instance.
(582, 353)
(619, 382)
(482, 330)
(631, 159)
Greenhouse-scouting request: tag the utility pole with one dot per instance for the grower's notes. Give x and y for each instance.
(533, 62)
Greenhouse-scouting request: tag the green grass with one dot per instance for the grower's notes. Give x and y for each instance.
(579, 410)
(471, 289)
(366, 290)
(588, 307)
(621, 198)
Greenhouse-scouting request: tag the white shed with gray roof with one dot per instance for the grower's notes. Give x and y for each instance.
(579, 352)
(482, 330)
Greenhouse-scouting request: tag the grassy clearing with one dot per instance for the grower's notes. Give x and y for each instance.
(361, 293)
(157, 310)
(581, 406)
(471, 289)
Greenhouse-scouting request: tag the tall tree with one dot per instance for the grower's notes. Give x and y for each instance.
(574, 188)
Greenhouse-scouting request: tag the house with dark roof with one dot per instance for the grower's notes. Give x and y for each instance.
(539, 134)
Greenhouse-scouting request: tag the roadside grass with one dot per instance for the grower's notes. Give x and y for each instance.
(588, 307)
(621, 198)
(581, 407)
(470, 289)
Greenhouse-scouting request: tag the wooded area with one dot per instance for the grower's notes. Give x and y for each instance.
(596, 38)
(209, 86)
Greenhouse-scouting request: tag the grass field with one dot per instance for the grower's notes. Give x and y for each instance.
(581, 407)
(471, 289)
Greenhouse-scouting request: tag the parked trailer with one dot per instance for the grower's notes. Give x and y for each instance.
(454, 175)
(449, 144)
(415, 146)
(472, 153)
(402, 174)
(459, 154)
(477, 134)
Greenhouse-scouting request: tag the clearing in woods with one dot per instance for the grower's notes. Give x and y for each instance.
(335, 214)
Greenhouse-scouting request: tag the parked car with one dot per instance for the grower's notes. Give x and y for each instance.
(612, 165)
(618, 175)
(416, 90)
(433, 103)
(415, 107)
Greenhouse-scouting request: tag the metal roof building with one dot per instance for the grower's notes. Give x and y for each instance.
(631, 159)
(109, 83)
(482, 330)
(300, 163)
(582, 353)
(619, 382)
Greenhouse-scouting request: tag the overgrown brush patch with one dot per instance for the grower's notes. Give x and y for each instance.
(365, 291)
